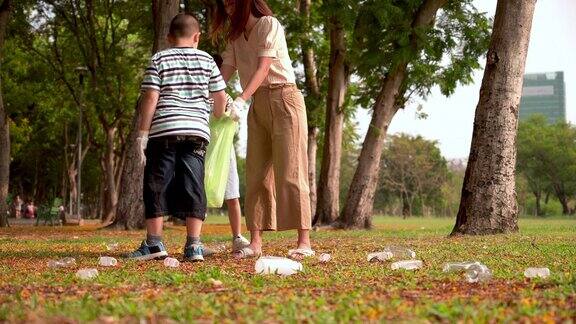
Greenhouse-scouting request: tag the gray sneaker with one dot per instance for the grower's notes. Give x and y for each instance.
(239, 243)
(194, 252)
(148, 252)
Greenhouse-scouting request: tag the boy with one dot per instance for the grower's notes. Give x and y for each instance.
(174, 116)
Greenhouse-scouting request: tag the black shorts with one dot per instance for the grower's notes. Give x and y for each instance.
(174, 177)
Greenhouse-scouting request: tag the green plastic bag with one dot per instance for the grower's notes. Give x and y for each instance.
(217, 163)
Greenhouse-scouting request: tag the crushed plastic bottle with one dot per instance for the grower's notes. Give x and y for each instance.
(62, 263)
(537, 273)
(171, 263)
(380, 256)
(407, 265)
(215, 283)
(474, 271)
(112, 246)
(399, 252)
(86, 274)
(277, 265)
(106, 261)
(324, 258)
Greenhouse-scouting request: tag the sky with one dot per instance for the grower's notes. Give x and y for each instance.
(450, 120)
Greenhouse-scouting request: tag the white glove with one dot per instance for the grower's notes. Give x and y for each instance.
(233, 113)
(239, 104)
(142, 142)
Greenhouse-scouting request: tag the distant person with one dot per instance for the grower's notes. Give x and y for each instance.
(277, 192)
(174, 114)
(30, 210)
(18, 206)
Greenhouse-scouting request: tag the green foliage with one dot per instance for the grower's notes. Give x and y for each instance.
(448, 52)
(547, 157)
(413, 172)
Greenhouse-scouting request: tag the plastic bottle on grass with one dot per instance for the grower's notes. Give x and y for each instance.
(400, 252)
(537, 273)
(277, 265)
(62, 263)
(171, 263)
(324, 258)
(407, 265)
(380, 256)
(474, 271)
(106, 261)
(86, 274)
(111, 246)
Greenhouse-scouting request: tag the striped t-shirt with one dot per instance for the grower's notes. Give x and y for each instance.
(184, 77)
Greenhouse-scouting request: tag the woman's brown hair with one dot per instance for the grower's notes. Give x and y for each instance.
(233, 27)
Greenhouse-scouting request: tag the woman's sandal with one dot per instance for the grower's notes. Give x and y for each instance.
(299, 254)
(245, 253)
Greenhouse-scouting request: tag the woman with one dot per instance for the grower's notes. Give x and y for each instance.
(277, 195)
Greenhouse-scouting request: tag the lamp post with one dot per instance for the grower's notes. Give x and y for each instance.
(81, 71)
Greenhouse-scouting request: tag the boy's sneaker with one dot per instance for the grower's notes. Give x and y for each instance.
(148, 252)
(194, 252)
(238, 243)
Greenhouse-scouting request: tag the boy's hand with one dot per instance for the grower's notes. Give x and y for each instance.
(142, 142)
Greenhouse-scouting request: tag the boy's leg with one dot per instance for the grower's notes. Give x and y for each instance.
(189, 196)
(158, 173)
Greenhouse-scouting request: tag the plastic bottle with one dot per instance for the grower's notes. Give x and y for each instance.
(478, 273)
(407, 265)
(62, 263)
(458, 266)
(106, 261)
(324, 258)
(474, 270)
(111, 246)
(171, 263)
(537, 273)
(399, 252)
(380, 256)
(86, 274)
(277, 265)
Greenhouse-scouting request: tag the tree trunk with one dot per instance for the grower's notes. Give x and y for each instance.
(357, 211)
(4, 126)
(488, 202)
(111, 197)
(312, 149)
(130, 211)
(329, 186)
(313, 99)
(538, 196)
(564, 202)
(406, 209)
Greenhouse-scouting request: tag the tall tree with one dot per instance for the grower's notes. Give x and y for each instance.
(313, 94)
(547, 159)
(357, 211)
(5, 9)
(130, 212)
(488, 202)
(406, 51)
(413, 171)
(328, 205)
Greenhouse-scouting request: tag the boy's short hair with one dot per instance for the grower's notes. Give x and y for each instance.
(184, 25)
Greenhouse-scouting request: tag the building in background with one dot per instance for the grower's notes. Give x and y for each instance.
(544, 93)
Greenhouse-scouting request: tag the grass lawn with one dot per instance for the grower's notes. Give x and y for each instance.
(348, 288)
